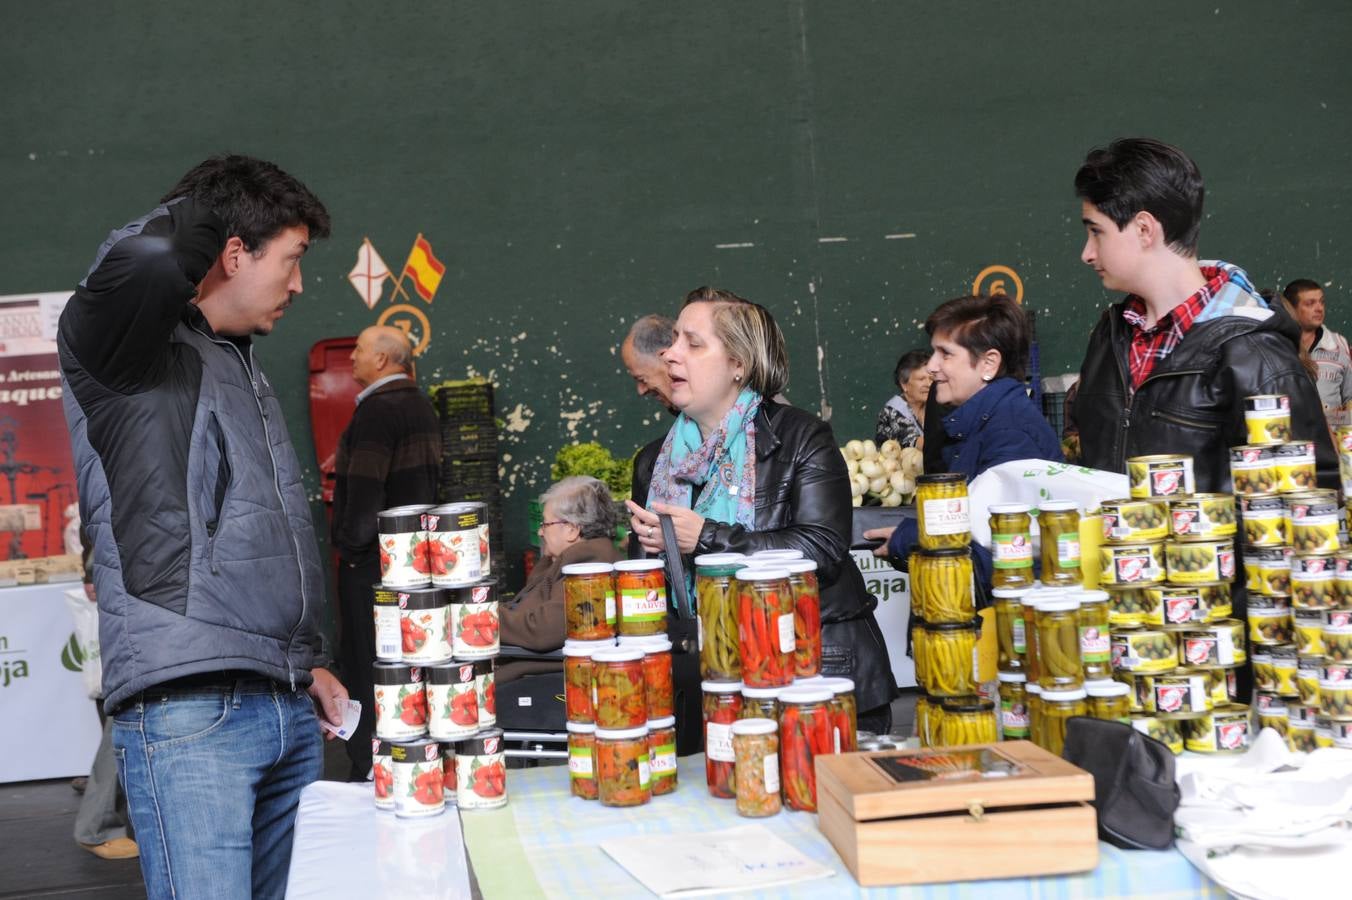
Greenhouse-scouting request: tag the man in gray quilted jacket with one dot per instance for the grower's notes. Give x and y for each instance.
(208, 576)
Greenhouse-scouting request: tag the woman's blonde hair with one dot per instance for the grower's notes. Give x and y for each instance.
(750, 335)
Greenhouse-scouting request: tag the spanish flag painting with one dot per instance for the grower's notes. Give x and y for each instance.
(424, 268)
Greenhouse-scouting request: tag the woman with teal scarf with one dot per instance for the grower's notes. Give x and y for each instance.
(739, 472)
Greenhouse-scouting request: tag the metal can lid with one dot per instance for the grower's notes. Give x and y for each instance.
(617, 655)
(953, 626)
(586, 648)
(755, 726)
(648, 643)
(1008, 509)
(799, 566)
(1008, 593)
(1059, 506)
(1092, 596)
(941, 478)
(481, 743)
(718, 559)
(638, 565)
(780, 553)
(591, 568)
(838, 685)
(1012, 677)
(450, 673)
(423, 598)
(1061, 605)
(661, 724)
(1034, 688)
(942, 552)
(721, 687)
(621, 734)
(761, 693)
(395, 673)
(762, 574)
(581, 727)
(1068, 695)
(967, 704)
(401, 519)
(1106, 688)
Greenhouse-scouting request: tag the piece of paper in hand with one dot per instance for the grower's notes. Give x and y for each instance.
(351, 714)
(743, 858)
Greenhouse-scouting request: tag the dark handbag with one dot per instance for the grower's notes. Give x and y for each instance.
(1134, 788)
(684, 633)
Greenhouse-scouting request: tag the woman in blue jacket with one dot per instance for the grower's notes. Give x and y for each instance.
(980, 349)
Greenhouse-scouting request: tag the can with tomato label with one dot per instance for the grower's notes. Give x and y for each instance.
(452, 701)
(474, 620)
(485, 685)
(381, 773)
(453, 543)
(401, 701)
(402, 542)
(417, 769)
(481, 772)
(423, 633)
(388, 623)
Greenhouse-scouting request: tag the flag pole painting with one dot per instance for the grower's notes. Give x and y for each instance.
(422, 273)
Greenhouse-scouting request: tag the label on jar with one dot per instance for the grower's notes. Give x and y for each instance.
(662, 760)
(718, 742)
(786, 639)
(580, 762)
(1012, 551)
(1020, 635)
(645, 774)
(642, 605)
(771, 763)
(1014, 719)
(1068, 551)
(610, 607)
(1095, 644)
(947, 516)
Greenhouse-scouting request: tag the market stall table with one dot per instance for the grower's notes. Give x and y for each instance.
(546, 843)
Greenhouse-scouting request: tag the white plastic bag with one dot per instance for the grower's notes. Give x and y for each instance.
(1032, 481)
(86, 616)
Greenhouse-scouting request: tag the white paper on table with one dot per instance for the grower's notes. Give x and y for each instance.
(741, 858)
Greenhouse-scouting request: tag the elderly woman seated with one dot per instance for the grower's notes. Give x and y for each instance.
(578, 527)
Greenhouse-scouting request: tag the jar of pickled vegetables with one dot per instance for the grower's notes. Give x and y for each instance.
(1011, 546)
(623, 776)
(1058, 644)
(941, 585)
(765, 636)
(804, 734)
(716, 601)
(1057, 707)
(1096, 656)
(722, 706)
(760, 703)
(1010, 642)
(1109, 700)
(951, 661)
(579, 690)
(1029, 603)
(1059, 526)
(919, 654)
(1034, 712)
(589, 601)
(968, 720)
(922, 710)
(641, 593)
(807, 617)
(1013, 706)
(621, 700)
(942, 511)
(755, 744)
(582, 760)
(662, 754)
(844, 714)
(659, 695)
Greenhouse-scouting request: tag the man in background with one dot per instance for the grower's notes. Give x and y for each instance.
(641, 353)
(1327, 349)
(388, 456)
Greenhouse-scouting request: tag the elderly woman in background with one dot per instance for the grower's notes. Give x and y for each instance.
(578, 527)
(903, 417)
(739, 472)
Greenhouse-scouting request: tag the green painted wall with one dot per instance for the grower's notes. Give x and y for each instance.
(576, 165)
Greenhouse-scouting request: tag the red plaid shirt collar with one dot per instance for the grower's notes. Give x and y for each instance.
(1150, 345)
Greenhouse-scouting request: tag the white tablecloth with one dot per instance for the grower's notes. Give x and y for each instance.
(50, 726)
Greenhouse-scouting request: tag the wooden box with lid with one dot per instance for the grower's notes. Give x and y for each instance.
(957, 813)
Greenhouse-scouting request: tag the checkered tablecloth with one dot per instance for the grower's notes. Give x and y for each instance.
(546, 843)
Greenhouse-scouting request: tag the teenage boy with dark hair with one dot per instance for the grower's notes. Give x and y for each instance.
(1168, 368)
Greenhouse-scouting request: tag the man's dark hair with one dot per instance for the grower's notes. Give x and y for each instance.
(651, 334)
(254, 197)
(1135, 174)
(1293, 290)
(908, 363)
(981, 323)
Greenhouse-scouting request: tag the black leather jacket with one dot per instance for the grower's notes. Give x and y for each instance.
(803, 502)
(1193, 401)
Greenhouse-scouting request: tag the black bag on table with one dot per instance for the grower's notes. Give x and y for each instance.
(1134, 788)
(684, 634)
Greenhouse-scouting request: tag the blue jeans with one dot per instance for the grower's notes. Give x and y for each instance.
(213, 777)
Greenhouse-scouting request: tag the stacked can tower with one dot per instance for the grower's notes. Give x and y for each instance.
(768, 712)
(950, 709)
(436, 625)
(618, 694)
(1299, 577)
(1168, 563)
